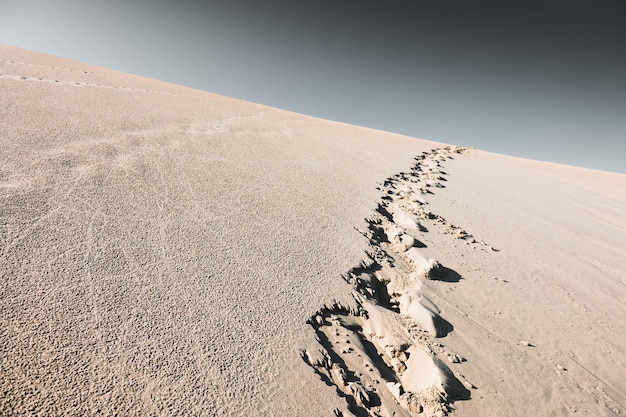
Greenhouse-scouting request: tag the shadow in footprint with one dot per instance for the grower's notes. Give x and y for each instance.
(375, 356)
(419, 243)
(443, 326)
(448, 275)
(456, 390)
(354, 407)
(378, 233)
(370, 286)
(383, 211)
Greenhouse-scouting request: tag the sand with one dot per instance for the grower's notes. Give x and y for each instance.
(167, 251)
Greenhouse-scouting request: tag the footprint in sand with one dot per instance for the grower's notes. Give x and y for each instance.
(388, 333)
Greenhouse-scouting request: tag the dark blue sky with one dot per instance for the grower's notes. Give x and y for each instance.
(538, 79)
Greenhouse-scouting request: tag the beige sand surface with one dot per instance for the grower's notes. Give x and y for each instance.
(167, 251)
(558, 282)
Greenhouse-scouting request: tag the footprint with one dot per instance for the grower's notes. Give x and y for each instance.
(381, 353)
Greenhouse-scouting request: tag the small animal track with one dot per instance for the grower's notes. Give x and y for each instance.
(85, 84)
(382, 353)
(25, 64)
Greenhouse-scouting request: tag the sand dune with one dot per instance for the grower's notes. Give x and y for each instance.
(167, 251)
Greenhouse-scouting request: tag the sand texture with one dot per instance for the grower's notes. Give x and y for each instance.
(170, 252)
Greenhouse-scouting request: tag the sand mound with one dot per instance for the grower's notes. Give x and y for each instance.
(167, 251)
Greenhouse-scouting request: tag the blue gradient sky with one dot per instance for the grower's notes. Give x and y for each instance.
(538, 79)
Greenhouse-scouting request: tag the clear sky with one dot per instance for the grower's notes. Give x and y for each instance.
(537, 79)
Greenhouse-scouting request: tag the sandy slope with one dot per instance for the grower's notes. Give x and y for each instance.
(559, 282)
(162, 249)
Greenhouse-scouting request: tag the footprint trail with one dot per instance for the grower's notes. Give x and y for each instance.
(382, 353)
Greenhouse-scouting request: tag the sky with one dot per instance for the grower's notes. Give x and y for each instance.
(537, 79)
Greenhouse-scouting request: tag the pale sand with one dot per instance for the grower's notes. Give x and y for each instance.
(166, 251)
